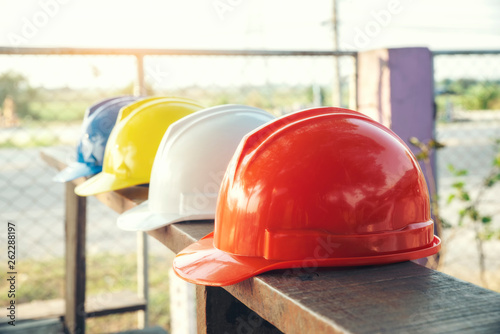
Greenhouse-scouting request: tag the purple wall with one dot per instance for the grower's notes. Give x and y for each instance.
(396, 88)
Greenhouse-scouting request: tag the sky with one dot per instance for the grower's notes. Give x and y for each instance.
(229, 24)
(236, 24)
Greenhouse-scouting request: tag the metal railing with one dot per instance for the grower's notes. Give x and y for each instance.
(139, 54)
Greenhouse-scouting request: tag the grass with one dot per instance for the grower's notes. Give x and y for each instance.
(39, 141)
(58, 110)
(44, 280)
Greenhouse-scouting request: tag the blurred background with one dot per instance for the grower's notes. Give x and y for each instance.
(43, 98)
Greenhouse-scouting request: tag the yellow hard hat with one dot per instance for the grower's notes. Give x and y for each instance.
(133, 142)
(127, 110)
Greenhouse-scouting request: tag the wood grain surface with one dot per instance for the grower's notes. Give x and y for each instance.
(76, 208)
(396, 298)
(119, 201)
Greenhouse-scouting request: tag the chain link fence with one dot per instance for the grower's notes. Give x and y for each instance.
(467, 86)
(42, 100)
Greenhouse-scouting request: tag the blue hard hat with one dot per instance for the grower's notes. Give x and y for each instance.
(98, 122)
(98, 105)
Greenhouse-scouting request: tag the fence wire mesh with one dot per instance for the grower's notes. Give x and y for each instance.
(42, 101)
(467, 89)
(43, 98)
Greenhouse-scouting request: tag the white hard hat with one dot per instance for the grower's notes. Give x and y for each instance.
(190, 164)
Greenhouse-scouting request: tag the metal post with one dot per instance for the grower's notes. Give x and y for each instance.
(140, 88)
(142, 277)
(336, 89)
(353, 86)
(76, 221)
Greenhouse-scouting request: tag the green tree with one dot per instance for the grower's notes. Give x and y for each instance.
(18, 88)
(482, 96)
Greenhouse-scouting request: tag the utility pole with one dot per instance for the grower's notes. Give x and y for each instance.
(336, 95)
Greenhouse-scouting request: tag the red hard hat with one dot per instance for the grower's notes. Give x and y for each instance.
(327, 186)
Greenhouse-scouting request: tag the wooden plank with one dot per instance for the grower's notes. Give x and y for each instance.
(56, 156)
(201, 309)
(112, 303)
(96, 305)
(142, 276)
(42, 309)
(402, 297)
(119, 201)
(178, 236)
(76, 208)
(124, 199)
(397, 298)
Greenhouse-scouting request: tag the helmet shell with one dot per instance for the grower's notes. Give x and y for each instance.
(189, 166)
(96, 127)
(332, 174)
(320, 187)
(133, 142)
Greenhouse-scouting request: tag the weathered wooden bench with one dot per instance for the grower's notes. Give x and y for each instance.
(397, 298)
